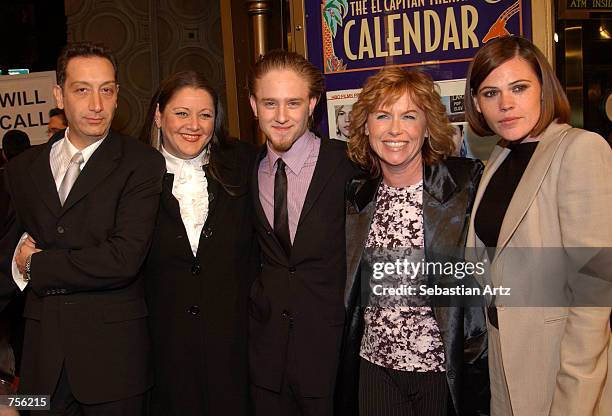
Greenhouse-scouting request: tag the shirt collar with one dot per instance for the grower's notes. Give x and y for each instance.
(296, 156)
(174, 165)
(69, 150)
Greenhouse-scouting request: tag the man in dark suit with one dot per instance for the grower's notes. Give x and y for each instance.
(87, 202)
(297, 310)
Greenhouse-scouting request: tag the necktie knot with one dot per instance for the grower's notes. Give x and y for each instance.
(77, 158)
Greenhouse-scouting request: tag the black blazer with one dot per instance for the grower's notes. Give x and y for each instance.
(198, 304)
(449, 189)
(304, 291)
(85, 305)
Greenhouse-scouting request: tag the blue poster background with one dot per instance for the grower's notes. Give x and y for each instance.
(349, 40)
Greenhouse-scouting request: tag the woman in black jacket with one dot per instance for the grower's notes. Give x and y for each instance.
(408, 355)
(203, 256)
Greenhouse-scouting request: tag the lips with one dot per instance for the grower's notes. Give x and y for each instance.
(281, 128)
(508, 121)
(190, 137)
(395, 144)
(94, 120)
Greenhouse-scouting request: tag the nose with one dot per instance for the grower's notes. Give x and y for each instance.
(506, 101)
(395, 126)
(95, 102)
(193, 122)
(281, 114)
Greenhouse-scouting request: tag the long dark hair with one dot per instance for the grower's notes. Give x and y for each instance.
(169, 87)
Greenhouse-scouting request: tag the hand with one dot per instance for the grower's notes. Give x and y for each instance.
(25, 250)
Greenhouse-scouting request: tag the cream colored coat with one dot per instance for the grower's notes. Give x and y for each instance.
(555, 359)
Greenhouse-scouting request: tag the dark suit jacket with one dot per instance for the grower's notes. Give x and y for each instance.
(85, 305)
(198, 304)
(449, 189)
(304, 291)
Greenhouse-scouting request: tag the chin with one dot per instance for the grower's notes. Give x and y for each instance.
(282, 145)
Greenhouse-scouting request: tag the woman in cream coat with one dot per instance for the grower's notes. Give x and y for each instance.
(548, 185)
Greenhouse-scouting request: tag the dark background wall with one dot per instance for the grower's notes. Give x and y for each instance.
(32, 32)
(151, 40)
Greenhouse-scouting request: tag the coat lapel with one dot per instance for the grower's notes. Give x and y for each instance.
(101, 164)
(360, 211)
(259, 212)
(531, 181)
(327, 163)
(43, 179)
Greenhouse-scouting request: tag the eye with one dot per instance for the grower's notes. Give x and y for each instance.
(489, 93)
(110, 91)
(294, 104)
(181, 113)
(409, 117)
(341, 113)
(519, 88)
(381, 116)
(81, 90)
(269, 104)
(206, 116)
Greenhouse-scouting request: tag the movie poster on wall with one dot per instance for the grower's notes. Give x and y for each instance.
(349, 40)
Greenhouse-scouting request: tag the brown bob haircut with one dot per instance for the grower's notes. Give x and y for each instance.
(495, 53)
(382, 90)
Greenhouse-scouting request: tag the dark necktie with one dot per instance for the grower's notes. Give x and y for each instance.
(281, 215)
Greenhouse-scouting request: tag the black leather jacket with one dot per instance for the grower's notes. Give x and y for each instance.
(449, 188)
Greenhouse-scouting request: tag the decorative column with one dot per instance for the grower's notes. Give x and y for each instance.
(258, 10)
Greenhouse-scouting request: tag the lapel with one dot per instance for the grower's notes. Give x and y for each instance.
(171, 206)
(43, 178)
(214, 207)
(101, 164)
(327, 162)
(531, 181)
(259, 212)
(361, 206)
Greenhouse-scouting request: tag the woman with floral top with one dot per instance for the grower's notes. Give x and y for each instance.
(402, 357)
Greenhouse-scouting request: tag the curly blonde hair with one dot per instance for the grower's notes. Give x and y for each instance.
(384, 89)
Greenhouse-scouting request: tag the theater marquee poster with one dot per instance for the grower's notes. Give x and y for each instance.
(350, 40)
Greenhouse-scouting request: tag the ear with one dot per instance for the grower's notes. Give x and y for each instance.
(476, 104)
(366, 130)
(157, 117)
(59, 97)
(312, 104)
(253, 102)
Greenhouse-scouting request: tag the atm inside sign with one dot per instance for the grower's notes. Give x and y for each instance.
(595, 5)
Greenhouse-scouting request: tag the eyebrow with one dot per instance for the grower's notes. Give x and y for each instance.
(411, 110)
(90, 84)
(187, 108)
(287, 99)
(511, 83)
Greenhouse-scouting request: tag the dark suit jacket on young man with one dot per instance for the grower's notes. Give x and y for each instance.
(198, 304)
(85, 309)
(449, 188)
(305, 290)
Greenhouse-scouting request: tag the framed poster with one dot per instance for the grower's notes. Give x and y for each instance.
(349, 40)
